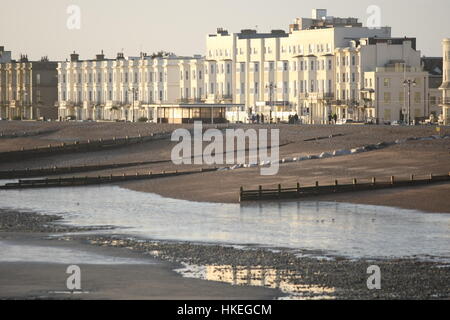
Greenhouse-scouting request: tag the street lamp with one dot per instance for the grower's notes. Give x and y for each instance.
(408, 83)
(133, 91)
(271, 87)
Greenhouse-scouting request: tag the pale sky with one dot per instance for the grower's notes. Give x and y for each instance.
(39, 28)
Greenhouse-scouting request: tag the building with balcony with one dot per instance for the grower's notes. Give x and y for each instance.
(28, 89)
(322, 67)
(166, 88)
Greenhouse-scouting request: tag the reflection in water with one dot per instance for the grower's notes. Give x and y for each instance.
(286, 281)
(355, 231)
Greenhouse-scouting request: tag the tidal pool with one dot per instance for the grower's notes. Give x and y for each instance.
(353, 231)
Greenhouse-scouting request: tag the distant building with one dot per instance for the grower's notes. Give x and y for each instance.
(445, 87)
(28, 89)
(434, 67)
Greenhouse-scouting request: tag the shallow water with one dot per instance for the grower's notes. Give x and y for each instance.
(11, 252)
(355, 231)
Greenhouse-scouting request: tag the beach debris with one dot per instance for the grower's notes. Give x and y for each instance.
(324, 155)
(338, 153)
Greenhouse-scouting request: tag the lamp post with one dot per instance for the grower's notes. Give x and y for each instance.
(133, 91)
(408, 83)
(271, 87)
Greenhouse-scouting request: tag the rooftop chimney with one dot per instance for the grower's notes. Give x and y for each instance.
(222, 31)
(100, 57)
(74, 57)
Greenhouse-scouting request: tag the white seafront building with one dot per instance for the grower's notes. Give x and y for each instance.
(323, 67)
(160, 89)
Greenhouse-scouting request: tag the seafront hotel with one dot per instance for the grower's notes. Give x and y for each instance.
(323, 68)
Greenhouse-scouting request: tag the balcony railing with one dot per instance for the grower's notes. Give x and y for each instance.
(225, 97)
(190, 100)
(366, 103)
(70, 104)
(348, 103)
(317, 95)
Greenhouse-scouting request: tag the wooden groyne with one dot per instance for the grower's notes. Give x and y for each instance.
(26, 134)
(86, 181)
(41, 172)
(300, 192)
(76, 147)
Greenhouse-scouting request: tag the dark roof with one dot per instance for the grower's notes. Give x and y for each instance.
(433, 65)
(395, 41)
(253, 34)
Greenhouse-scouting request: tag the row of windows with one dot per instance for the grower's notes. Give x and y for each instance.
(124, 77)
(124, 95)
(19, 79)
(185, 75)
(292, 49)
(387, 97)
(324, 64)
(219, 69)
(311, 48)
(346, 61)
(22, 95)
(218, 52)
(346, 95)
(346, 77)
(303, 87)
(387, 82)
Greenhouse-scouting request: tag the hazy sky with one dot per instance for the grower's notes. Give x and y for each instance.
(39, 27)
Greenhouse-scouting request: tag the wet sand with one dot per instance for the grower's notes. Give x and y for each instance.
(155, 281)
(415, 157)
